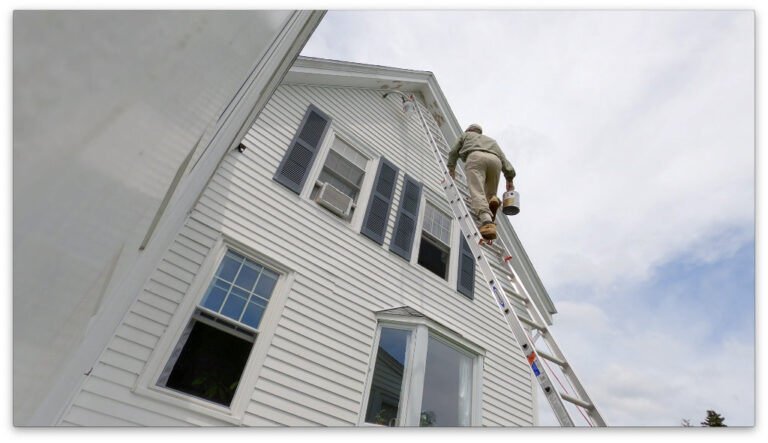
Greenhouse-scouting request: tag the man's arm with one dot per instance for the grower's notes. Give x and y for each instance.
(507, 169)
(453, 155)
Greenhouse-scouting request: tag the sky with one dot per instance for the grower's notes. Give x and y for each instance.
(632, 133)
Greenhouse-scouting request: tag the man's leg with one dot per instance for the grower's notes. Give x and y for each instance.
(492, 173)
(476, 178)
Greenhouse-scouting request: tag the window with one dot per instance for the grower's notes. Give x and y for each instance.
(446, 400)
(421, 377)
(344, 169)
(434, 250)
(388, 374)
(210, 356)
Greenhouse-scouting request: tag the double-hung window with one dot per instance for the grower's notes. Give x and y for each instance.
(211, 354)
(422, 378)
(343, 170)
(435, 250)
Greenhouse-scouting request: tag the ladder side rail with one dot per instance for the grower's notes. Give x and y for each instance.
(567, 369)
(469, 229)
(559, 357)
(513, 319)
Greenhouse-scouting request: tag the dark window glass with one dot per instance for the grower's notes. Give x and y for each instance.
(433, 256)
(210, 364)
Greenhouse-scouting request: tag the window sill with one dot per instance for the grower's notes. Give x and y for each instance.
(189, 403)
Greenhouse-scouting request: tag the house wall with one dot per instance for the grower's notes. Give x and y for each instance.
(107, 105)
(315, 363)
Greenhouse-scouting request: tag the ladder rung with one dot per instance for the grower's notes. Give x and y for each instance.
(576, 401)
(532, 323)
(519, 297)
(555, 360)
(457, 195)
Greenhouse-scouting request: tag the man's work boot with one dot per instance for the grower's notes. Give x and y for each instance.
(493, 205)
(488, 231)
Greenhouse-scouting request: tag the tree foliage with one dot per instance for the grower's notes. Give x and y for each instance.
(713, 420)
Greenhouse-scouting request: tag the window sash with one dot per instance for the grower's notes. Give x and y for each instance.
(341, 167)
(234, 288)
(411, 397)
(378, 369)
(463, 406)
(437, 224)
(348, 153)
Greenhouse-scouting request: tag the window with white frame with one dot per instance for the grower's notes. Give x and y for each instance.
(209, 358)
(341, 178)
(421, 378)
(434, 249)
(388, 376)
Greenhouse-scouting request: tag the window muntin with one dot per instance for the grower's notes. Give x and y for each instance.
(211, 354)
(388, 376)
(447, 394)
(240, 290)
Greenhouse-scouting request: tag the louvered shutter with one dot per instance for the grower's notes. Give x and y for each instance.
(405, 223)
(377, 214)
(294, 168)
(466, 279)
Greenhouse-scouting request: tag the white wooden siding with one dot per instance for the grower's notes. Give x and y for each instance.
(317, 361)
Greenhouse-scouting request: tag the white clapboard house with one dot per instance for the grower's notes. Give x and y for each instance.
(319, 280)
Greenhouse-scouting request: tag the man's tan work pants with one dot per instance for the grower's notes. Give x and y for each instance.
(483, 171)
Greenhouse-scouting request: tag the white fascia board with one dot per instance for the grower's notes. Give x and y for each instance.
(324, 72)
(256, 90)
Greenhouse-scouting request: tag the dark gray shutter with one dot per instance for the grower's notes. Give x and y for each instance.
(466, 280)
(407, 214)
(294, 168)
(377, 214)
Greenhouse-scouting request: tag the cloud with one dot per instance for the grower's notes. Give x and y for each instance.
(640, 376)
(632, 132)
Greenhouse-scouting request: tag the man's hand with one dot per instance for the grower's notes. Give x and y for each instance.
(510, 186)
(453, 174)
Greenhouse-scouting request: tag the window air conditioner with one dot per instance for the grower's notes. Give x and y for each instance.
(334, 200)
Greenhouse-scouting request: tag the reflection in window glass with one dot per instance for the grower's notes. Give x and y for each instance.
(387, 384)
(438, 224)
(240, 290)
(447, 392)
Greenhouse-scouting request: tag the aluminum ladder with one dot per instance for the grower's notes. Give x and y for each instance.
(530, 316)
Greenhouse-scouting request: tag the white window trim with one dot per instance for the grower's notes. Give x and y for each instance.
(455, 235)
(146, 384)
(415, 368)
(356, 222)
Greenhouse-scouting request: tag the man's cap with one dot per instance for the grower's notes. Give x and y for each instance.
(475, 127)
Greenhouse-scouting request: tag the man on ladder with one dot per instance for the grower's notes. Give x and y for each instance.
(484, 161)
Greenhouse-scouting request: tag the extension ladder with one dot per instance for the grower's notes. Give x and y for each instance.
(530, 316)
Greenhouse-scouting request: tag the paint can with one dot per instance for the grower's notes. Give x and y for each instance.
(510, 203)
